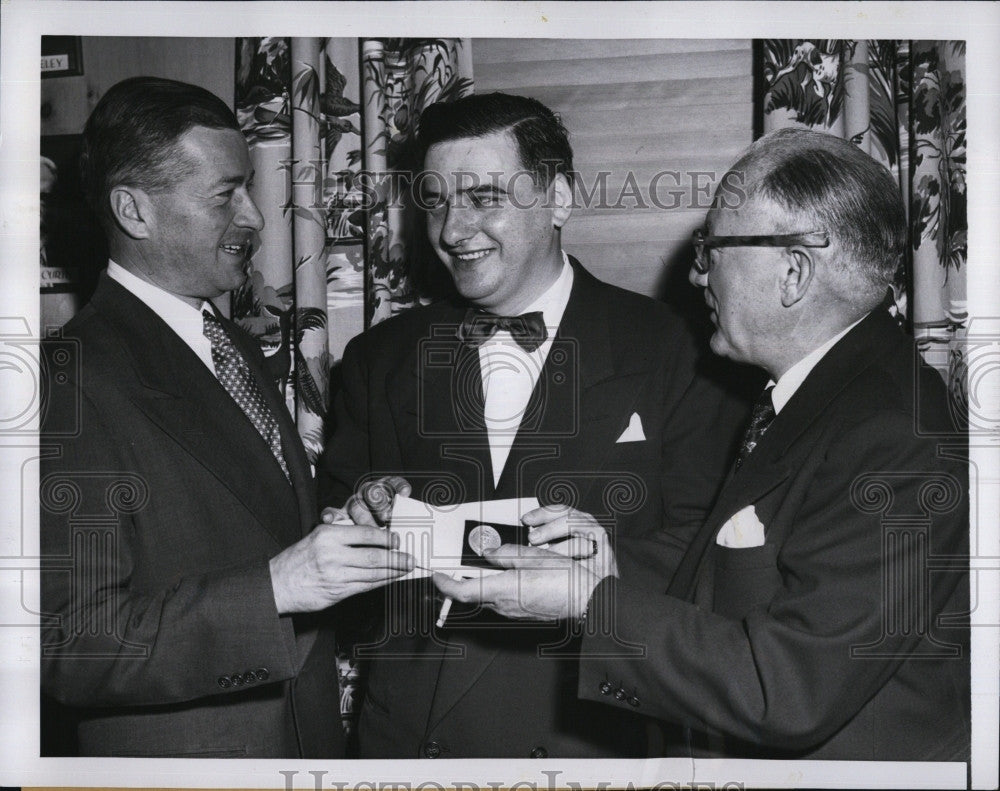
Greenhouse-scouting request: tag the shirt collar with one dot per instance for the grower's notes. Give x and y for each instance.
(182, 318)
(552, 302)
(793, 378)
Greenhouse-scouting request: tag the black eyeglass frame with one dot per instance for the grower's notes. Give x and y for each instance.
(702, 242)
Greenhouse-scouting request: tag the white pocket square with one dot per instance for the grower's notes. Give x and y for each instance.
(634, 432)
(742, 530)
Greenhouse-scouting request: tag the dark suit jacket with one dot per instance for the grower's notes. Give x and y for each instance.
(825, 642)
(412, 404)
(160, 512)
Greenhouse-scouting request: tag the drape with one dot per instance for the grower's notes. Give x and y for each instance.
(903, 102)
(279, 87)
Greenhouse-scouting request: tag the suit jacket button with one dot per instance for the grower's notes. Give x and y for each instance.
(224, 682)
(432, 750)
(539, 752)
(237, 680)
(633, 701)
(249, 677)
(606, 687)
(262, 674)
(620, 694)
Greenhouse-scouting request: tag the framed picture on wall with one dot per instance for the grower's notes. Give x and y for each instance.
(62, 56)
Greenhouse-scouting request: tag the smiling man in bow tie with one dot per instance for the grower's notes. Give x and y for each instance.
(819, 611)
(536, 380)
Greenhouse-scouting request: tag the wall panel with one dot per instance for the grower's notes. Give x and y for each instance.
(634, 109)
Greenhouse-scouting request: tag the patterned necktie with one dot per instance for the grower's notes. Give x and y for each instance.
(234, 375)
(760, 419)
(527, 330)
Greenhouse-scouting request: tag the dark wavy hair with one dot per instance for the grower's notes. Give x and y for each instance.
(131, 136)
(542, 140)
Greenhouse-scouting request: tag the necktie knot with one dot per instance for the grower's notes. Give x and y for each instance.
(527, 330)
(760, 419)
(213, 330)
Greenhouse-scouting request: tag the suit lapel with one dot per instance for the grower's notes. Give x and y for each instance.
(586, 325)
(872, 338)
(544, 424)
(580, 357)
(181, 395)
(436, 399)
(765, 468)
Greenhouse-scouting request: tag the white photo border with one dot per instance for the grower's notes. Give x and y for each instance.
(25, 21)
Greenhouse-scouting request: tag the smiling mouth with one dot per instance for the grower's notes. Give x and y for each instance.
(243, 249)
(471, 257)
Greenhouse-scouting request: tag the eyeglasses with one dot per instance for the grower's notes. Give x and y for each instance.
(702, 243)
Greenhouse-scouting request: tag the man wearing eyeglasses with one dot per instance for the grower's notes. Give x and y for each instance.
(805, 620)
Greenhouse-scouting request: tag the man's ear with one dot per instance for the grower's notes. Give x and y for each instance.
(561, 199)
(132, 210)
(798, 275)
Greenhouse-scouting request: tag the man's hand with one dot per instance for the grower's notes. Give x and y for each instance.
(542, 584)
(334, 562)
(372, 503)
(572, 533)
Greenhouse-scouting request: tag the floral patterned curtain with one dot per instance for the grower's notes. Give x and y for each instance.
(280, 87)
(903, 102)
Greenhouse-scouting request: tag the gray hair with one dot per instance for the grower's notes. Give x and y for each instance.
(842, 190)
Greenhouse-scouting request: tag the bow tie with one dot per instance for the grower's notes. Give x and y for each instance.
(527, 330)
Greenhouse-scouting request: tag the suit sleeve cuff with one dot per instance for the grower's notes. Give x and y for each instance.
(254, 621)
(609, 651)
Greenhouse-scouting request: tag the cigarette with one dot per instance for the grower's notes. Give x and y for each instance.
(446, 605)
(445, 608)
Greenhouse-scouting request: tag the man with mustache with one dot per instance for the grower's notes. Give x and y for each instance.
(181, 567)
(821, 611)
(536, 380)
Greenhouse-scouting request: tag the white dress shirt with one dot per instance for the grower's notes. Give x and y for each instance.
(793, 378)
(510, 373)
(183, 319)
